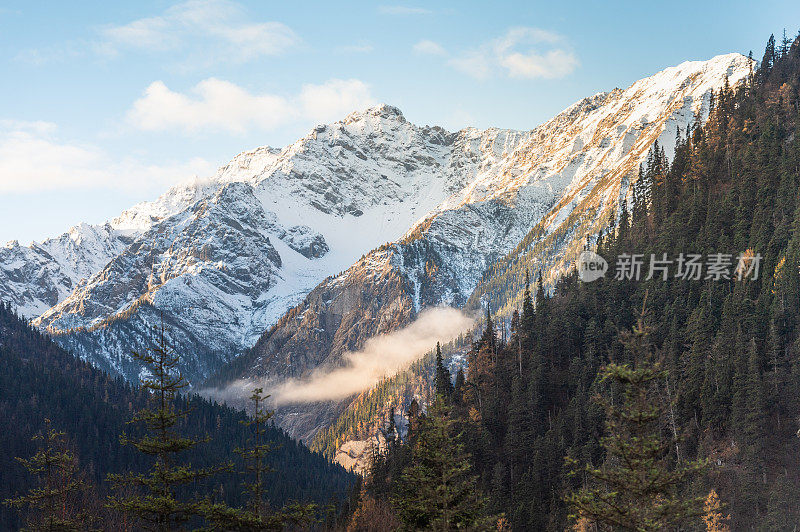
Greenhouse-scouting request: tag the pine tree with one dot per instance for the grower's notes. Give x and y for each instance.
(637, 487)
(52, 504)
(458, 387)
(256, 516)
(442, 382)
(481, 365)
(768, 61)
(156, 504)
(754, 429)
(255, 453)
(439, 491)
(527, 308)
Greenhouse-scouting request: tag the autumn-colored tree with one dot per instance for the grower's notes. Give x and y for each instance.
(713, 518)
(373, 515)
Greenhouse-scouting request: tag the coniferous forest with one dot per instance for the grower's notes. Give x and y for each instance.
(46, 390)
(650, 405)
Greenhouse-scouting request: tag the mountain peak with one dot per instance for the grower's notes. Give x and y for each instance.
(382, 110)
(733, 65)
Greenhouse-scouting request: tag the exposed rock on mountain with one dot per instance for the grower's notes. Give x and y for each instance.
(223, 259)
(561, 181)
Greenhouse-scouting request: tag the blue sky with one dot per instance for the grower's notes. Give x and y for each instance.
(105, 104)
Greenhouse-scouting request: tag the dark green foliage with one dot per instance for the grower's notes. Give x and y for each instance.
(39, 380)
(728, 349)
(256, 515)
(154, 502)
(438, 489)
(442, 382)
(254, 453)
(639, 486)
(55, 503)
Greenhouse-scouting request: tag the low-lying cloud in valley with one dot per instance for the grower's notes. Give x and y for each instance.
(382, 356)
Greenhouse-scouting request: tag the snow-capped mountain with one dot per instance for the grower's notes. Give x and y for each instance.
(562, 181)
(223, 259)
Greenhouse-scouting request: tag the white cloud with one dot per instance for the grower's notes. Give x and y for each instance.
(32, 159)
(428, 47)
(474, 63)
(519, 53)
(458, 120)
(333, 99)
(151, 33)
(221, 105)
(404, 10)
(222, 27)
(381, 356)
(38, 127)
(551, 64)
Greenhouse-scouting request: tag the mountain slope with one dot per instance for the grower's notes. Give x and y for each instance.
(722, 354)
(254, 240)
(563, 181)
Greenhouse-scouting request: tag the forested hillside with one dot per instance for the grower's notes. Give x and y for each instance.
(715, 367)
(38, 380)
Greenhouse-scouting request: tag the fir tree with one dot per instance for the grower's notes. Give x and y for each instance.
(458, 387)
(156, 503)
(439, 491)
(527, 306)
(768, 61)
(256, 516)
(52, 504)
(255, 453)
(442, 382)
(637, 487)
(481, 365)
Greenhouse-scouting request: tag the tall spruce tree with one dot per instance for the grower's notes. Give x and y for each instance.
(255, 452)
(256, 516)
(439, 491)
(442, 381)
(154, 501)
(481, 365)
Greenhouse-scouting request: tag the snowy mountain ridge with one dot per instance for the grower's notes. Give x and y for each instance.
(224, 258)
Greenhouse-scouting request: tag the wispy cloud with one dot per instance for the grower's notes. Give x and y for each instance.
(427, 47)
(404, 10)
(219, 105)
(382, 356)
(222, 26)
(521, 52)
(196, 33)
(33, 158)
